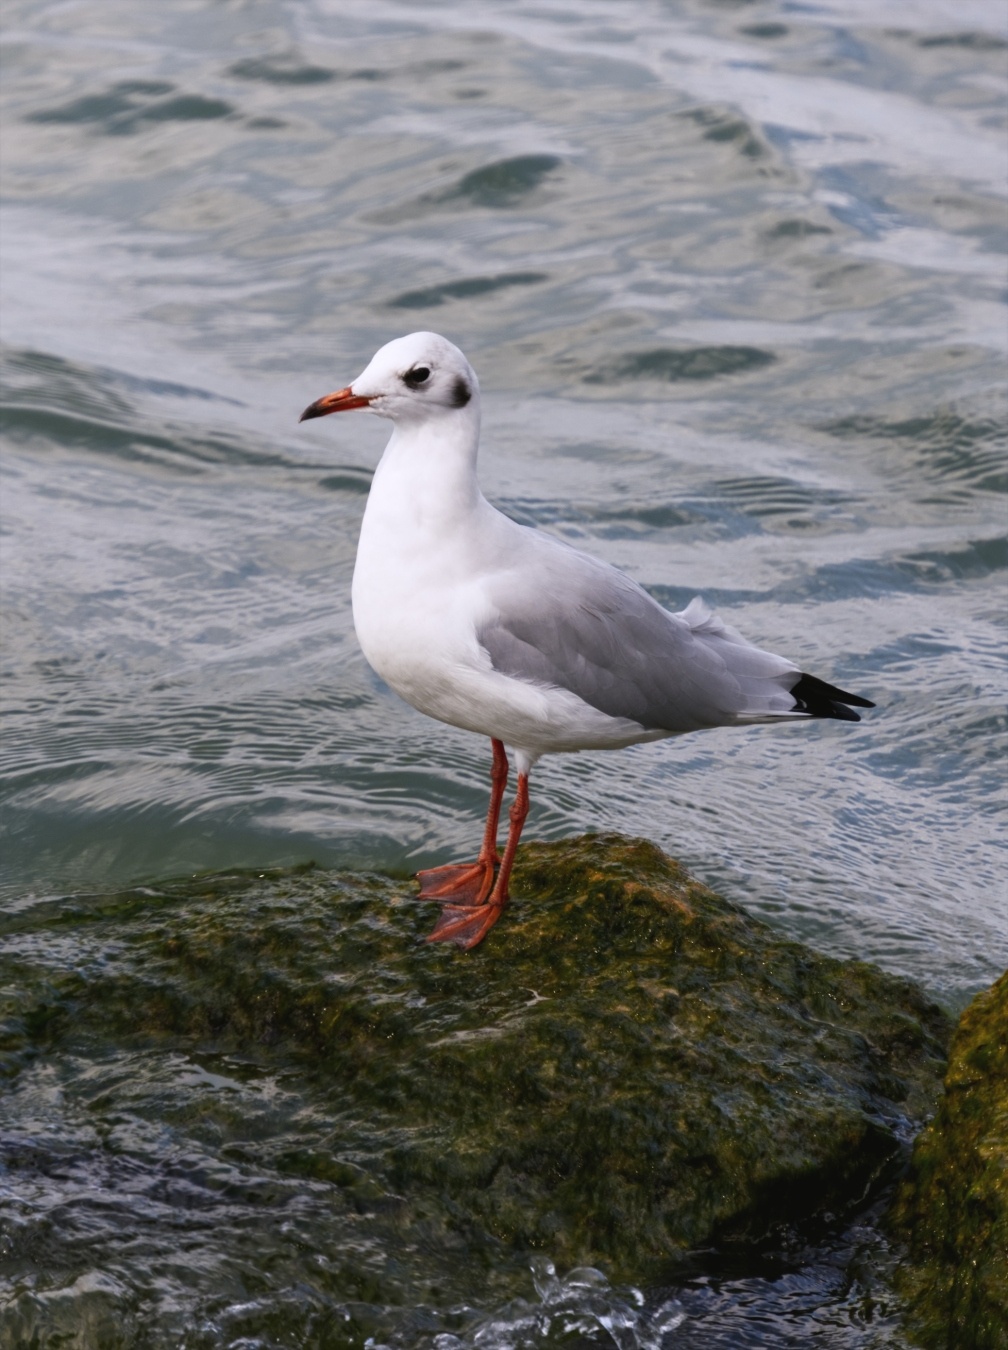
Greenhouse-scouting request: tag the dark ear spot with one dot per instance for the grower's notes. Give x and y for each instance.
(461, 393)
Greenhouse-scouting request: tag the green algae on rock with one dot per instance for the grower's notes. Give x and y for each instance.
(953, 1205)
(630, 1067)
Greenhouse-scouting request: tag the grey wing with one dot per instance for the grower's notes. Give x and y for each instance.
(570, 621)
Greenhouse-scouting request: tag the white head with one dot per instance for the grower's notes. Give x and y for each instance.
(411, 379)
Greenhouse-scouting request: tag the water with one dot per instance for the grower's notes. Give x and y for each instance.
(733, 278)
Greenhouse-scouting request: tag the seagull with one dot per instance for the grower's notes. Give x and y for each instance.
(508, 632)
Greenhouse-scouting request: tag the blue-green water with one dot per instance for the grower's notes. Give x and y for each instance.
(733, 277)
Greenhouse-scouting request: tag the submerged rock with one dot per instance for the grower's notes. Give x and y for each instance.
(953, 1205)
(628, 1068)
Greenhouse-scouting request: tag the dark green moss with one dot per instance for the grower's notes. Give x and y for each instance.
(953, 1206)
(628, 1067)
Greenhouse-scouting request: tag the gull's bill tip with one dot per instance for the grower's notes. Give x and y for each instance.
(342, 401)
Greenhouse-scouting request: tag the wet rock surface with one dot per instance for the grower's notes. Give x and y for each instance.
(953, 1205)
(257, 1082)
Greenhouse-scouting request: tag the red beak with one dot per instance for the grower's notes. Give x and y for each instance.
(342, 401)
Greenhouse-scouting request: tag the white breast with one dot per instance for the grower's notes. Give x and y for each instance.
(420, 596)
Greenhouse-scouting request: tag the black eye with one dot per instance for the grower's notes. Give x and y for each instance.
(416, 377)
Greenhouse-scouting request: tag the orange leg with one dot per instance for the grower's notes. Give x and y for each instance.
(468, 925)
(471, 883)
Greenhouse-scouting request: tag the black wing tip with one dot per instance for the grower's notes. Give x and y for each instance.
(819, 699)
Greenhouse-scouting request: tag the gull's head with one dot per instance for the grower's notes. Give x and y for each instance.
(413, 379)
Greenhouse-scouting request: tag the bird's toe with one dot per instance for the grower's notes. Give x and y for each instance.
(460, 884)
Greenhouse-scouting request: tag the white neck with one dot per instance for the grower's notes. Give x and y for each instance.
(426, 479)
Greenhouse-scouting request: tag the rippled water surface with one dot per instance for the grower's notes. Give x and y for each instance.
(733, 278)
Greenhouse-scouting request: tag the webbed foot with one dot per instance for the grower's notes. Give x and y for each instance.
(465, 925)
(461, 884)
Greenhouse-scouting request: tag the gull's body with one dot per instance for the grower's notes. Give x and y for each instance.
(502, 630)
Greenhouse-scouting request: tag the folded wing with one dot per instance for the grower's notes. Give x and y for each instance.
(591, 630)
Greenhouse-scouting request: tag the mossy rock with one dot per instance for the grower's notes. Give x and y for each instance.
(628, 1068)
(953, 1205)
